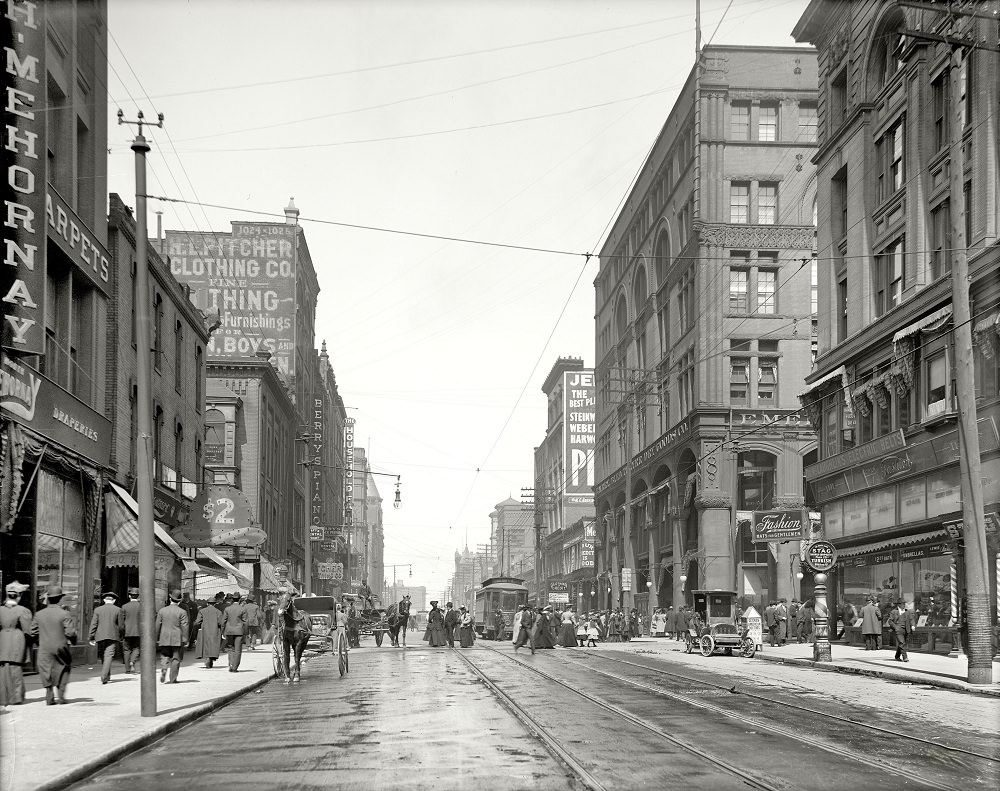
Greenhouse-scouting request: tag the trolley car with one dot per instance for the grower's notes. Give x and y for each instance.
(507, 593)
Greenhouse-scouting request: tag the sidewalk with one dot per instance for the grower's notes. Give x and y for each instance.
(103, 722)
(930, 669)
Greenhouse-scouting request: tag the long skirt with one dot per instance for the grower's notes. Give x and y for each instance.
(466, 636)
(543, 637)
(11, 683)
(567, 636)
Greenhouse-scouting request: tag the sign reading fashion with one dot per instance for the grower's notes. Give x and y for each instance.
(776, 526)
(248, 277)
(24, 190)
(579, 434)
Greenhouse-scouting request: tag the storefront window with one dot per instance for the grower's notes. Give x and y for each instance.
(833, 519)
(927, 583)
(944, 494)
(856, 514)
(912, 501)
(60, 544)
(882, 508)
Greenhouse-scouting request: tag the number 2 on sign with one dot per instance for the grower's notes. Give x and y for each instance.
(225, 508)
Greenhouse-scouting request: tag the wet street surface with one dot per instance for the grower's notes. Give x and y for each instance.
(424, 718)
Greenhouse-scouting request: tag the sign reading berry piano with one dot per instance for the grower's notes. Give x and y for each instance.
(776, 526)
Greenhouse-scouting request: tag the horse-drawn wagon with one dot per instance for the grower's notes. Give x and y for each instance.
(377, 622)
(713, 625)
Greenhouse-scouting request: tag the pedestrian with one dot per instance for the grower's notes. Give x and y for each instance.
(15, 626)
(132, 611)
(901, 624)
(191, 608)
(435, 635)
(516, 624)
(499, 624)
(804, 621)
(670, 623)
(466, 628)
(781, 612)
(793, 620)
(543, 629)
(171, 630)
(581, 630)
(107, 628)
(848, 615)
(451, 622)
(55, 629)
(593, 633)
(234, 621)
(254, 621)
(567, 629)
(525, 629)
(871, 625)
(771, 621)
(209, 640)
(658, 626)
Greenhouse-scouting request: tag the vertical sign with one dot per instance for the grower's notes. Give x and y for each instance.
(348, 476)
(317, 509)
(23, 282)
(248, 277)
(580, 434)
(588, 545)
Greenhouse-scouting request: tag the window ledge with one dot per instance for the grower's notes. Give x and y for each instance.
(939, 420)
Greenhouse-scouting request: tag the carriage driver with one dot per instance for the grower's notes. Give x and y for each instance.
(365, 595)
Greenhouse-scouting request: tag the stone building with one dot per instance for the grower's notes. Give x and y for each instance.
(704, 305)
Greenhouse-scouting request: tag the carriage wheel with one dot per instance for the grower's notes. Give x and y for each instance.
(748, 647)
(278, 660)
(379, 634)
(707, 645)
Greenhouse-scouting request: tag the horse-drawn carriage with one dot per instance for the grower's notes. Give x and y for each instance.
(376, 621)
(714, 628)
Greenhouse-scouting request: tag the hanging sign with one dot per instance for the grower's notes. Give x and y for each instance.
(821, 556)
(316, 533)
(776, 526)
(220, 516)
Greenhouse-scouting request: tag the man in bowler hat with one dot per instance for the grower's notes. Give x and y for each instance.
(133, 629)
(234, 624)
(171, 636)
(54, 628)
(107, 628)
(451, 619)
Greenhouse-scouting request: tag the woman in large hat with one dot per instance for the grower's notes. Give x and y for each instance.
(15, 624)
(435, 627)
(466, 628)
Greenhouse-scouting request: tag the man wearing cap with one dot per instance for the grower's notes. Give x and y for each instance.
(234, 623)
(54, 628)
(133, 629)
(450, 622)
(171, 636)
(107, 628)
(15, 626)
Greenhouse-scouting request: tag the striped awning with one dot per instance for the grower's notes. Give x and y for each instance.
(238, 576)
(892, 543)
(121, 513)
(269, 581)
(931, 321)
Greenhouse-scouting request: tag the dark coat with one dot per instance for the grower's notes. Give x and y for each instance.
(54, 628)
(435, 628)
(209, 641)
(253, 614)
(451, 619)
(15, 626)
(234, 619)
(108, 623)
(171, 626)
(871, 619)
(901, 623)
(133, 618)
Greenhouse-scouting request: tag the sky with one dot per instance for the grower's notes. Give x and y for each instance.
(499, 125)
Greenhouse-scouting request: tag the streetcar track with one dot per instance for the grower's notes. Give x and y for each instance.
(787, 705)
(826, 746)
(747, 777)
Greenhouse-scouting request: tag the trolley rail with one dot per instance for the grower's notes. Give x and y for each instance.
(752, 780)
(785, 705)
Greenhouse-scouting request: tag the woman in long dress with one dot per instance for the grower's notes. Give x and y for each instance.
(567, 631)
(435, 627)
(466, 628)
(15, 626)
(543, 629)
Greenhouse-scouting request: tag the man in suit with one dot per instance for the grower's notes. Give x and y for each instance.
(450, 623)
(901, 623)
(133, 629)
(191, 608)
(871, 624)
(771, 621)
(171, 636)
(234, 622)
(54, 628)
(781, 613)
(107, 628)
(524, 631)
(253, 620)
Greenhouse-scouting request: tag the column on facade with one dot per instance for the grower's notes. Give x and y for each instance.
(631, 530)
(678, 518)
(714, 296)
(789, 484)
(654, 558)
(715, 530)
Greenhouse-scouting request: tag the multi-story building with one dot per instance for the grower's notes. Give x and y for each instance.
(56, 284)
(564, 481)
(512, 534)
(704, 314)
(907, 181)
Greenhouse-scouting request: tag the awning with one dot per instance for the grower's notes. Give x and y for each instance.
(933, 321)
(268, 579)
(839, 373)
(226, 566)
(892, 543)
(990, 322)
(122, 514)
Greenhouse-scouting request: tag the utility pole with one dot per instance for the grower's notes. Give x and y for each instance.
(144, 434)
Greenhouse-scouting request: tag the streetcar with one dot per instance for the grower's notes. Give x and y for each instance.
(507, 593)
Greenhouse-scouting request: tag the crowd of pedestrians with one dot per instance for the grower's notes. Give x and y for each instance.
(224, 625)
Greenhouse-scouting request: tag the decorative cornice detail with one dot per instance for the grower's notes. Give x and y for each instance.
(757, 236)
(789, 503)
(705, 501)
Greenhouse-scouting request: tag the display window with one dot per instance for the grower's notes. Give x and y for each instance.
(927, 585)
(59, 545)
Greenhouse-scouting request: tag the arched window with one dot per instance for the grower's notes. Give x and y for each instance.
(661, 255)
(885, 57)
(621, 318)
(640, 288)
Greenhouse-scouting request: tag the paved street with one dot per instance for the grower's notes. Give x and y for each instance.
(421, 718)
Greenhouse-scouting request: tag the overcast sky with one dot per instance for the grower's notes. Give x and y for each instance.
(514, 123)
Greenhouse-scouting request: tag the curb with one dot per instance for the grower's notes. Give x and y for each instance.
(888, 675)
(131, 745)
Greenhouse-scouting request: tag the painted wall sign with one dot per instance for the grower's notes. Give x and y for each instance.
(664, 443)
(854, 456)
(23, 281)
(317, 473)
(579, 434)
(249, 277)
(77, 242)
(32, 400)
(348, 474)
(776, 526)
(776, 418)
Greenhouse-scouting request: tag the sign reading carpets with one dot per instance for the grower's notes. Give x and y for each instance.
(580, 435)
(23, 282)
(248, 277)
(348, 474)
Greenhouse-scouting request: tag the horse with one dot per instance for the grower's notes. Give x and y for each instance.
(397, 616)
(293, 628)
